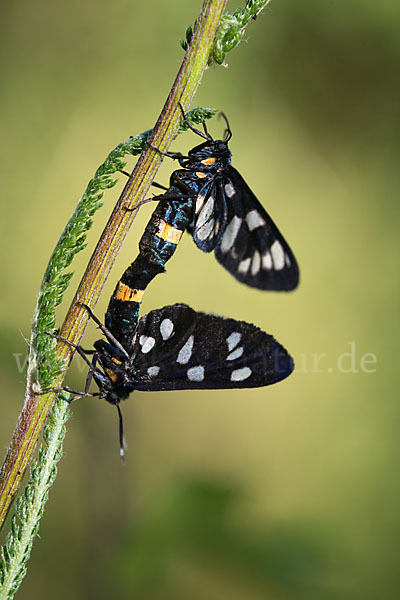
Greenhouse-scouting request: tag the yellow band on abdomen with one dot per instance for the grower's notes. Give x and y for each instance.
(168, 233)
(127, 294)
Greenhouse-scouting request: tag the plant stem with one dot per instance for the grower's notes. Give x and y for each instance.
(30, 506)
(36, 408)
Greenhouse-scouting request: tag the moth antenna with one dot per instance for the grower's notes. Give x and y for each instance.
(121, 433)
(205, 135)
(228, 131)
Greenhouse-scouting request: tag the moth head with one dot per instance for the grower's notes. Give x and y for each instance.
(222, 149)
(111, 380)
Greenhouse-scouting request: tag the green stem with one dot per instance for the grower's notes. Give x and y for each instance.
(36, 408)
(30, 506)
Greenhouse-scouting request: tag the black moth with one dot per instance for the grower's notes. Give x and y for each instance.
(177, 348)
(229, 219)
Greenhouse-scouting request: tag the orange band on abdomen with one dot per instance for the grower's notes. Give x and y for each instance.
(127, 294)
(168, 233)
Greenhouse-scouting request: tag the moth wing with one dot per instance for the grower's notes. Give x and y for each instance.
(212, 353)
(211, 215)
(251, 247)
(159, 335)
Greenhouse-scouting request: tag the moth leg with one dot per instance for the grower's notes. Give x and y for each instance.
(166, 196)
(183, 186)
(141, 203)
(155, 184)
(159, 186)
(90, 374)
(169, 196)
(92, 369)
(78, 348)
(173, 155)
(62, 389)
(104, 329)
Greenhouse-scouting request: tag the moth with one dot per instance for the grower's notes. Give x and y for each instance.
(227, 218)
(177, 348)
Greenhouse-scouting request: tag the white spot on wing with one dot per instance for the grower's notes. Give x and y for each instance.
(185, 352)
(147, 343)
(166, 328)
(199, 203)
(241, 374)
(153, 371)
(235, 354)
(204, 232)
(206, 212)
(233, 340)
(196, 374)
(255, 263)
(229, 190)
(254, 220)
(230, 234)
(244, 265)
(278, 255)
(287, 260)
(267, 261)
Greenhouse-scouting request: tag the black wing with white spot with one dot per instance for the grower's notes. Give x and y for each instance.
(251, 247)
(176, 348)
(159, 336)
(211, 214)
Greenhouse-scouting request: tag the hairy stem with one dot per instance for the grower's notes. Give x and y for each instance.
(30, 506)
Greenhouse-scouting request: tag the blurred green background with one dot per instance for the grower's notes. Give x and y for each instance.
(284, 493)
